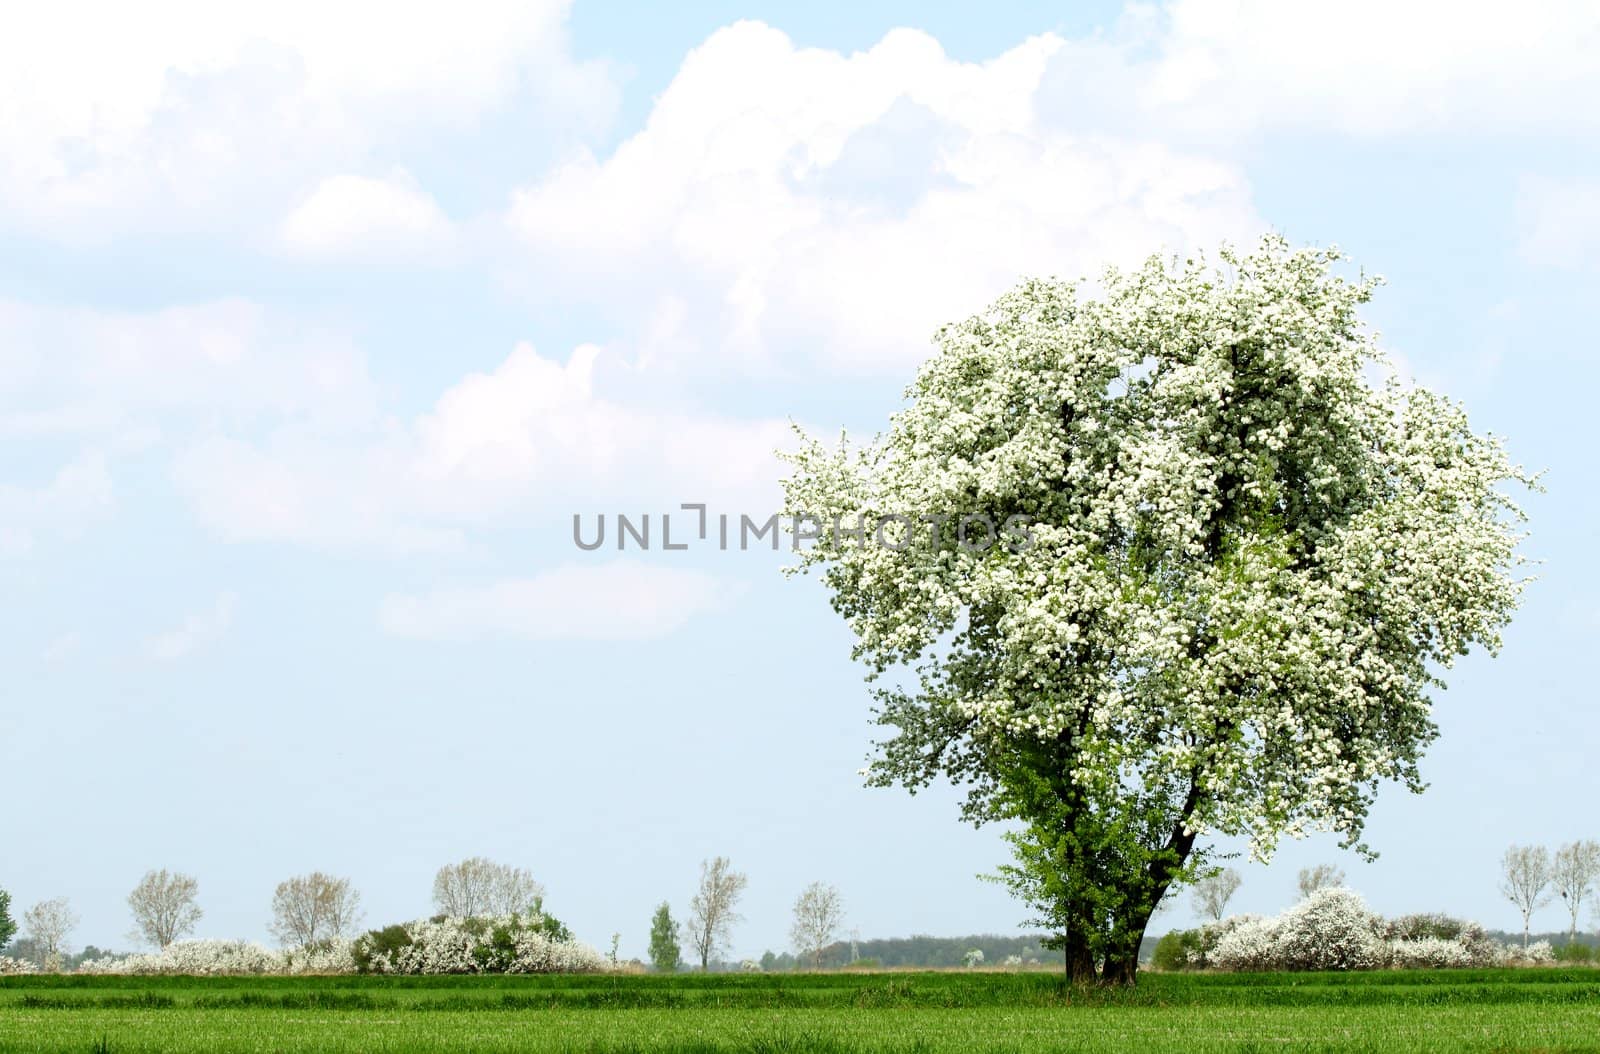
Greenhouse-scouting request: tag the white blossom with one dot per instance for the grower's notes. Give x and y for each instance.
(1249, 563)
(1539, 953)
(203, 958)
(486, 944)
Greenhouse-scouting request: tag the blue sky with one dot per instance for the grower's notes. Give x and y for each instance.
(317, 324)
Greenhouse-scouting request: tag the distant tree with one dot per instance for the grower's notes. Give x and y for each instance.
(477, 886)
(1525, 874)
(1573, 874)
(48, 923)
(1212, 893)
(309, 909)
(818, 914)
(8, 926)
(164, 907)
(665, 954)
(25, 949)
(712, 910)
(1323, 876)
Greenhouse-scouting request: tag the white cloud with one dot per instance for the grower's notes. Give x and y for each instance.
(371, 218)
(179, 112)
(1207, 68)
(196, 632)
(802, 208)
(1558, 221)
(531, 440)
(79, 493)
(783, 200)
(620, 601)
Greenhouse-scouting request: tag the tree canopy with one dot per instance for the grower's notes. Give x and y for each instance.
(8, 925)
(665, 955)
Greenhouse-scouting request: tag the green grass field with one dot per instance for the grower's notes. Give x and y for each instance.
(1487, 1010)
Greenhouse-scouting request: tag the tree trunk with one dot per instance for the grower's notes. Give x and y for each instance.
(1122, 970)
(1080, 960)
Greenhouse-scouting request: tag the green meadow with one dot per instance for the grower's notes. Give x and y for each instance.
(1487, 1010)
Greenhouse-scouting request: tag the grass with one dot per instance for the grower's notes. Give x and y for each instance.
(1484, 1010)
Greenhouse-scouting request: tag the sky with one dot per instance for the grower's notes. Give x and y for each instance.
(319, 322)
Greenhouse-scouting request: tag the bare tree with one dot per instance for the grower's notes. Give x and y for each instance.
(309, 909)
(818, 914)
(477, 886)
(1573, 875)
(164, 907)
(1212, 893)
(1525, 881)
(1323, 876)
(47, 924)
(711, 911)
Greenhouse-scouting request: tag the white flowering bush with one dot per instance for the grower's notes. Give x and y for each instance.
(1430, 953)
(210, 958)
(1251, 945)
(1423, 941)
(499, 944)
(10, 966)
(1539, 953)
(1332, 929)
(507, 944)
(332, 956)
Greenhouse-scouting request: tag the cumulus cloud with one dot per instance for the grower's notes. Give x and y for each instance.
(196, 631)
(837, 208)
(618, 601)
(791, 207)
(181, 112)
(1199, 69)
(532, 440)
(370, 218)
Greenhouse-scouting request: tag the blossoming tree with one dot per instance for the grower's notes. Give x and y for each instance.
(1247, 563)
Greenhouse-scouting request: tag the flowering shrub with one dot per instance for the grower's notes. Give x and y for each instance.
(206, 958)
(1539, 953)
(1429, 953)
(1252, 944)
(1332, 929)
(1439, 941)
(9, 965)
(501, 944)
(512, 944)
(1193, 949)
